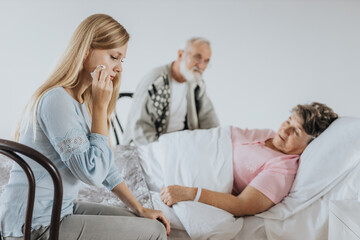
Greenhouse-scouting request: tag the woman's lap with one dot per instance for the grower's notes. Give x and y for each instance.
(97, 221)
(89, 208)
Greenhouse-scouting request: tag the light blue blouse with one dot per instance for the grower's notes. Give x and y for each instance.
(63, 134)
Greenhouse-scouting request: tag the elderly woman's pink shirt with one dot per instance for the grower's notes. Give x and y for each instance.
(270, 172)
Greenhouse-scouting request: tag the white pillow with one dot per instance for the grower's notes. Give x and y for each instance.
(323, 164)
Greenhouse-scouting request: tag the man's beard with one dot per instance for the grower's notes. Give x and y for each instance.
(192, 75)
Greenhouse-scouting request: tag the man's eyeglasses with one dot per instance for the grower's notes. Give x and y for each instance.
(198, 59)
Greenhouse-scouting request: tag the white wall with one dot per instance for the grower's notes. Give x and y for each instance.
(267, 55)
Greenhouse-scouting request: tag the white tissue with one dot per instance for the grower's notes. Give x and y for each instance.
(101, 66)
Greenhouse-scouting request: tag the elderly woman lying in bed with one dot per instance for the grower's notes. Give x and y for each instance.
(264, 163)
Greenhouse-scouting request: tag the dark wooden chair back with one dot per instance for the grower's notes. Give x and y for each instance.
(12, 149)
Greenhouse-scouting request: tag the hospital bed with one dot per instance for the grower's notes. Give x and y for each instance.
(329, 170)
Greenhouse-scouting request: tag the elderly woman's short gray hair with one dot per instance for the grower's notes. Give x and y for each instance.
(316, 116)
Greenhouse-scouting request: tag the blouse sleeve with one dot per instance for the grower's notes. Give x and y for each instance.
(87, 155)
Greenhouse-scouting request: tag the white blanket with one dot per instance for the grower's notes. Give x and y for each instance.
(201, 158)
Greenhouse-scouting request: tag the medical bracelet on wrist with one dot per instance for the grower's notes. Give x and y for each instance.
(198, 194)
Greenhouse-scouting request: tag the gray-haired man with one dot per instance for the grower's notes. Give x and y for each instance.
(172, 97)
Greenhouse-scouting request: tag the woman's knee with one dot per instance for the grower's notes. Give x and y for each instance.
(157, 229)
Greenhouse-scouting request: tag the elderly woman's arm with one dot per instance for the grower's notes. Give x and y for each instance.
(249, 202)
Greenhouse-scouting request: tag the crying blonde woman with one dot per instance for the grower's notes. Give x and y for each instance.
(67, 120)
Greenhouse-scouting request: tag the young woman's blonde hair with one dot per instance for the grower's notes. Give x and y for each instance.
(98, 31)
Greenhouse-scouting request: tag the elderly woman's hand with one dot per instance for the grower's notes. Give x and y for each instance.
(175, 193)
